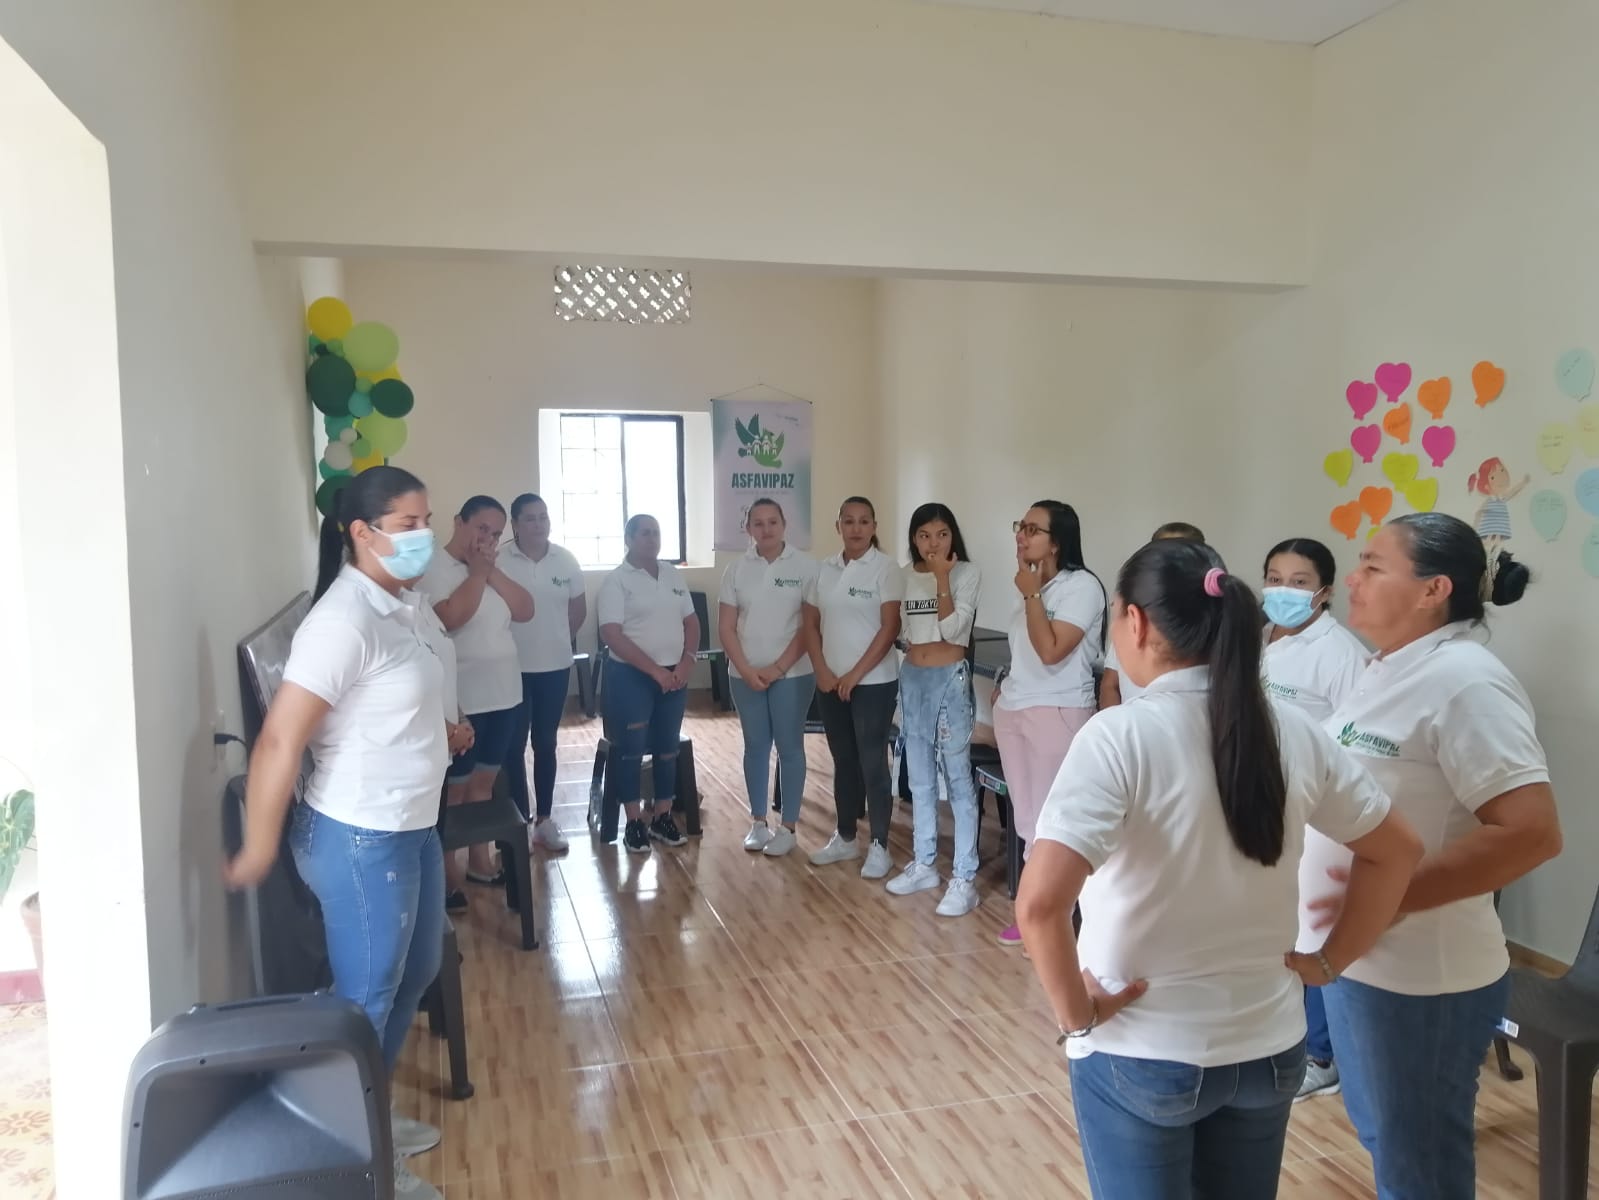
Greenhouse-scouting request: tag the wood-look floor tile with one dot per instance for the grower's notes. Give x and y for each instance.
(611, 1179)
(907, 1067)
(619, 872)
(920, 932)
(848, 999)
(491, 977)
(696, 1019)
(781, 946)
(982, 981)
(566, 1033)
(1025, 1039)
(993, 1149)
(726, 1094)
(1340, 1177)
(1507, 1166)
(826, 1162)
(647, 961)
(603, 917)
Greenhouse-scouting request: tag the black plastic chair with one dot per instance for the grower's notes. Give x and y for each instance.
(584, 670)
(496, 820)
(1557, 1022)
(990, 779)
(721, 691)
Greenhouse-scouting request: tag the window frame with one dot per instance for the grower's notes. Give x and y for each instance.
(674, 419)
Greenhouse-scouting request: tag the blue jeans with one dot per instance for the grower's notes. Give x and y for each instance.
(1318, 1038)
(538, 716)
(935, 705)
(1409, 1067)
(641, 719)
(382, 898)
(774, 715)
(1153, 1130)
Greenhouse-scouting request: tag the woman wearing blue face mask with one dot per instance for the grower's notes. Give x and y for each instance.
(1311, 661)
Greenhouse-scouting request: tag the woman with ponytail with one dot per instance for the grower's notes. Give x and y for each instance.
(1182, 1010)
(366, 691)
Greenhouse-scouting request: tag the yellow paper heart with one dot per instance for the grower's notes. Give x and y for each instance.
(1400, 469)
(1421, 494)
(1339, 466)
(1588, 431)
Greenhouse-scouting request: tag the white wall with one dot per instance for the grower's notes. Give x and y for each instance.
(870, 133)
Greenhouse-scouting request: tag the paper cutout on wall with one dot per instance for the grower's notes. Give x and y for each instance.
(1548, 514)
(1588, 491)
(1590, 552)
(1393, 379)
(1396, 423)
(1421, 494)
(1439, 443)
(1399, 469)
(1492, 479)
(1362, 397)
(1588, 431)
(1574, 373)
(1346, 519)
(1433, 396)
(1554, 447)
(1366, 440)
(1489, 382)
(1375, 503)
(1339, 466)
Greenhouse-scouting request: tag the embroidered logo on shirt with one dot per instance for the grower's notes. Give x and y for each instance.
(1373, 744)
(862, 593)
(679, 592)
(1286, 692)
(559, 582)
(785, 583)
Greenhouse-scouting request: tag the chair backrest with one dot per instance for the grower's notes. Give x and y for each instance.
(263, 654)
(1584, 971)
(702, 610)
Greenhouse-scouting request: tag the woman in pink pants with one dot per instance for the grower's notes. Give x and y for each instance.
(1057, 641)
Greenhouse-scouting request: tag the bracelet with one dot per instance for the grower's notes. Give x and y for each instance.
(1093, 1020)
(1026, 596)
(945, 596)
(1326, 967)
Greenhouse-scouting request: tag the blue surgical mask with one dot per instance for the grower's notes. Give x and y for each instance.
(1289, 607)
(413, 550)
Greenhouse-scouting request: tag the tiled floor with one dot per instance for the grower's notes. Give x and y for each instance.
(710, 1023)
(25, 1146)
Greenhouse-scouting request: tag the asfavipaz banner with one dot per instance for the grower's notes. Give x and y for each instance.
(761, 448)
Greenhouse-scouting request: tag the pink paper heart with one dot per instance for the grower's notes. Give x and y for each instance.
(1393, 379)
(1362, 397)
(1366, 440)
(1439, 442)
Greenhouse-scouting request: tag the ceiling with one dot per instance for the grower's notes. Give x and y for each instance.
(1305, 21)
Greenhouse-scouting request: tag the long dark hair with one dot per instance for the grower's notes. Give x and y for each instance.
(1318, 555)
(1166, 580)
(368, 497)
(934, 511)
(1442, 545)
(1066, 531)
(870, 507)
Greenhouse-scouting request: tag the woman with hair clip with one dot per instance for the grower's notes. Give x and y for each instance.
(936, 706)
(1311, 662)
(365, 690)
(477, 603)
(1183, 1018)
(1443, 725)
(1057, 641)
(552, 576)
(851, 620)
(759, 623)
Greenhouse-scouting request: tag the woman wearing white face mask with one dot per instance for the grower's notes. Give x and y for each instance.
(1310, 661)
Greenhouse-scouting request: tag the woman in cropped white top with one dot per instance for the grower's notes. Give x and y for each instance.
(935, 702)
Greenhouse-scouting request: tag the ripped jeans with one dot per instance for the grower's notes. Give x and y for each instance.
(936, 714)
(641, 719)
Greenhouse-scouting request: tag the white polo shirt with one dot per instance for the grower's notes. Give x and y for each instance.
(850, 597)
(1444, 727)
(1171, 899)
(649, 608)
(919, 619)
(1076, 598)
(768, 597)
(439, 641)
(1315, 668)
(380, 753)
(1128, 689)
(488, 677)
(545, 642)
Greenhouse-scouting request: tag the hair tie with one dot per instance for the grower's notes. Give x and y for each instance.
(341, 527)
(1213, 578)
(1489, 577)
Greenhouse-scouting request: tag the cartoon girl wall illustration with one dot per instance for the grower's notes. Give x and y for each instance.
(1493, 518)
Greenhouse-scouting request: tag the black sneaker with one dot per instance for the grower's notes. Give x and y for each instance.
(637, 838)
(664, 829)
(456, 902)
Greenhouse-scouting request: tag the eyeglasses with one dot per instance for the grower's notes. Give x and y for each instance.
(1029, 529)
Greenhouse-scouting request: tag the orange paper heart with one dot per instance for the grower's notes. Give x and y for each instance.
(1433, 395)
(1489, 381)
(1346, 519)
(1375, 503)
(1396, 423)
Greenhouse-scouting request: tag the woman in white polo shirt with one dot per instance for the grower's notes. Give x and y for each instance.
(763, 637)
(477, 602)
(937, 712)
(647, 622)
(1445, 728)
(1056, 643)
(364, 689)
(1311, 662)
(1183, 1019)
(851, 621)
(551, 575)
(1114, 687)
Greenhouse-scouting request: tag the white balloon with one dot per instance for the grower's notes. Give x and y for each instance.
(338, 457)
(347, 435)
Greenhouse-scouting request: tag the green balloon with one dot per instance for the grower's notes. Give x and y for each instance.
(337, 425)
(386, 434)
(329, 473)
(311, 343)
(337, 347)
(392, 397)
(329, 492)
(371, 346)
(360, 448)
(329, 382)
(362, 384)
(360, 404)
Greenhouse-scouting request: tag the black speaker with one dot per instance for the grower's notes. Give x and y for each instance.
(280, 1098)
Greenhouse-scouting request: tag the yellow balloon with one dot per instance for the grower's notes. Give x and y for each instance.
(329, 318)
(372, 460)
(389, 372)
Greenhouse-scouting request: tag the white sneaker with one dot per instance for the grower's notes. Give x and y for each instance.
(836, 851)
(914, 878)
(757, 837)
(780, 843)
(412, 1137)
(408, 1187)
(547, 835)
(960, 897)
(878, 863)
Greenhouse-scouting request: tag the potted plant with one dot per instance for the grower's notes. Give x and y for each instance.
(16, 833)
